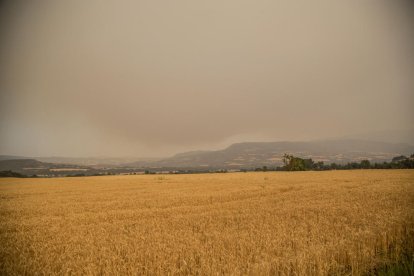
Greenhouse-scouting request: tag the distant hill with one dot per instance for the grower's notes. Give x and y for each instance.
(255, 154)
(36, 167)
(11, 157)
(82, 161)
(246, 155)
(94, 161)
(18, 165)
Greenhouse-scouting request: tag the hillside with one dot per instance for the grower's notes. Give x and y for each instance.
(253, 154)
(20, 165)
(246, 155)
(36, 167)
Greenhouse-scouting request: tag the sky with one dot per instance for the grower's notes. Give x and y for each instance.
(153, 78)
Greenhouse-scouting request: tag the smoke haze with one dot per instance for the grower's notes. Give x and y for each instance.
(151, 78)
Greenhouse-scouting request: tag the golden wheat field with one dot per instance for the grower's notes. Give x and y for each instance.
(272, 223)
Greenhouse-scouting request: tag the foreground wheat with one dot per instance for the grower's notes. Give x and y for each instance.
(304, 223)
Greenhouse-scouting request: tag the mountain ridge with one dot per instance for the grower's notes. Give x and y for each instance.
(252, 154)
(246, 155)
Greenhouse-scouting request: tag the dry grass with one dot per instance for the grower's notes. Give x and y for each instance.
(304, 223)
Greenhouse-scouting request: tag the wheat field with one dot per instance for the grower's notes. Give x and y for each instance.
(262, 223)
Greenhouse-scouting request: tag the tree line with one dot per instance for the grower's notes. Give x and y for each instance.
(290, 163)
(294, 163)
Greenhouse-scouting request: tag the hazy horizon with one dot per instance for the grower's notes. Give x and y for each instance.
(223, 146)
(151, 79)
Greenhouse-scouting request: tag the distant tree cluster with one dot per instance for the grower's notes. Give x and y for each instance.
(149, 172)
(293, 163)
(11, 174)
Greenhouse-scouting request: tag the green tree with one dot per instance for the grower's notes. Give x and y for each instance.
(365, 164)
(293, 163)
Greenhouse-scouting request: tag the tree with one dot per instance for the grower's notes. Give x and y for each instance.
(319, 166)
(308, 163)
(293, 163)
(365, 164)
(286, 158)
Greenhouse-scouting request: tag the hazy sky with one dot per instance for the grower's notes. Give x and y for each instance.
(151, 78)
